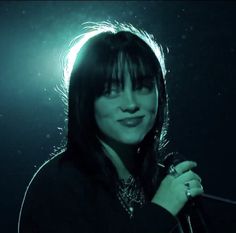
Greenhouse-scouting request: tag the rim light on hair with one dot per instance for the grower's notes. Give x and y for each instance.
(94, 29)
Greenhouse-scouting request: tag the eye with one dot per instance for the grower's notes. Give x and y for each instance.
(113, 92)
(145, 87)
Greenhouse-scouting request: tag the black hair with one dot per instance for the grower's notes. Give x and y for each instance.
(100, 60)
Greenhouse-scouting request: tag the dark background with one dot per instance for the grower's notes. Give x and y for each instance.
(201, 40)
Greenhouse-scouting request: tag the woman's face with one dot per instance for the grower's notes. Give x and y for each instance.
(112, 108)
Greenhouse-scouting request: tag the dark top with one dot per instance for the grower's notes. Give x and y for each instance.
(62, 199)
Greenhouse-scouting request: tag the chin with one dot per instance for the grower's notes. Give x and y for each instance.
(130, 140)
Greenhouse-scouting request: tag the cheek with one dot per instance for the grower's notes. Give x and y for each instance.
(150, 104)
(103, 110)
(151, 108)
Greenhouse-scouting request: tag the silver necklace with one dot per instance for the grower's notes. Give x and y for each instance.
(130, 194)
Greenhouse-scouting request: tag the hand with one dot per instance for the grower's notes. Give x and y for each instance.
(171, 193)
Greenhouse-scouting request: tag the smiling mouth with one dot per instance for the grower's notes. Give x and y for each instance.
(131, 122)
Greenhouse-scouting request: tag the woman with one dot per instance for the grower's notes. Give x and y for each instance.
(113, 175)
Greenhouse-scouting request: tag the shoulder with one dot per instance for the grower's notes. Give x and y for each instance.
(56, 175)
(57, 187)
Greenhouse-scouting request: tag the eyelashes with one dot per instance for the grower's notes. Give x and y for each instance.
(115, 90)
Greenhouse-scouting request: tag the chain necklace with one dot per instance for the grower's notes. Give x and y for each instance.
(130, 194)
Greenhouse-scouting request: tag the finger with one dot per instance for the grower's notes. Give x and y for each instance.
(196, 192)
(185, 166)
(188, 176)
(193, 184)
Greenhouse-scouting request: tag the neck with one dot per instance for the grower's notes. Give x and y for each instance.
(122, 156)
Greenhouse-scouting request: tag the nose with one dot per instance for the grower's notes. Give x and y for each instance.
(129, 103)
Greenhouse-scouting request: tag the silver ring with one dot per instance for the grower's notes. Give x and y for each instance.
(172, 171)
(188, 194)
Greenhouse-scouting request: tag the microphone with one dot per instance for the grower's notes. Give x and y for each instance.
(191, 216)
(175, 158)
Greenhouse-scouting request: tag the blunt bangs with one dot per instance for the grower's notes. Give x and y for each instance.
(117, 58)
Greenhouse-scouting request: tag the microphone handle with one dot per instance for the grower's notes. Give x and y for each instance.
(192, 217)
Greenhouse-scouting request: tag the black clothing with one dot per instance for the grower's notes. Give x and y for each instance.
(62, 199)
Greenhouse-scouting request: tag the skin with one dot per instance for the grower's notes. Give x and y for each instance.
(171, 193)
(120, 142)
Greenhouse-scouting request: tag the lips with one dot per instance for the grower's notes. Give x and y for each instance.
(131, 121)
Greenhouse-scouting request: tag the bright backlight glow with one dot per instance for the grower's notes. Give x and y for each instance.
(93, 29)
